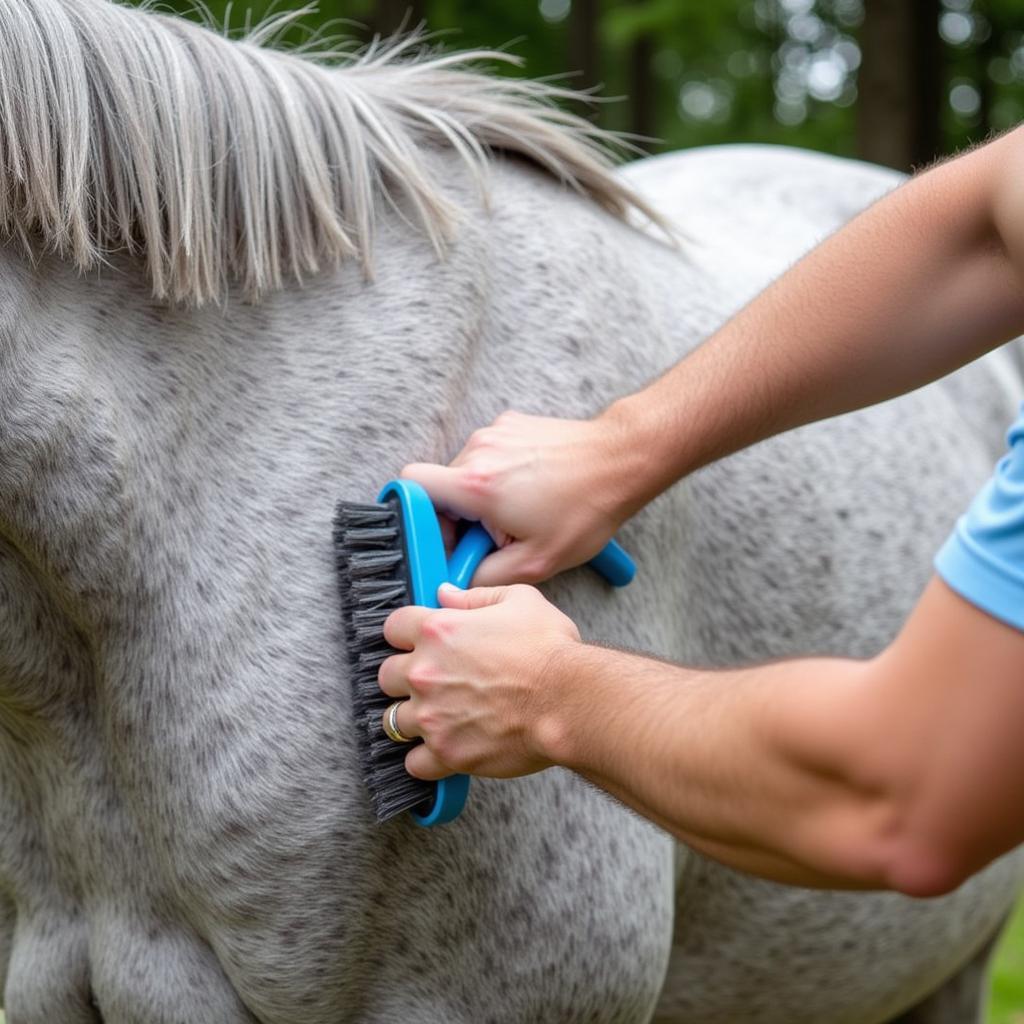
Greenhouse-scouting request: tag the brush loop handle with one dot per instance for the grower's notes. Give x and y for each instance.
(614, 564)
(476, 544)
(449, 798)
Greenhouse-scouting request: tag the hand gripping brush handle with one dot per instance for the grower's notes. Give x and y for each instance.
(389, 555)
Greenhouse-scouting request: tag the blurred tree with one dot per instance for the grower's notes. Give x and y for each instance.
(899, 109)
(641, 84)
(584, 55)
(391, 15)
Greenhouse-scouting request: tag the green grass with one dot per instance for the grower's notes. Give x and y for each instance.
(1007, 1003)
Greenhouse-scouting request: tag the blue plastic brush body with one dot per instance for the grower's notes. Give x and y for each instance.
(429, 567)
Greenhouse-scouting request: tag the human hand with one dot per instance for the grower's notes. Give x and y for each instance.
(478, 681)
(549, 492)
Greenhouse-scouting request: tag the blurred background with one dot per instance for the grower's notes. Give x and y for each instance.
(897, 82)
(892, 81)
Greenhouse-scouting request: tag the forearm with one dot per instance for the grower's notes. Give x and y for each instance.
(905, 771)
(749, 766)
(918, 285)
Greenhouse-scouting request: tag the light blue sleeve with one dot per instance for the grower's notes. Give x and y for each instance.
(983, 560)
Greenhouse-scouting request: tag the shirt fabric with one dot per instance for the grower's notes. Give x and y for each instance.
(983, 560)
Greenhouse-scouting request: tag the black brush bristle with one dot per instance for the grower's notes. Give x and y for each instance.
(373, 576)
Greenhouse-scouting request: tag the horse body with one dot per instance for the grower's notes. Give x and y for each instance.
(185, 834)
(166, 488)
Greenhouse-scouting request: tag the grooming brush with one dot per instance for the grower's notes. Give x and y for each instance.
(388, 555)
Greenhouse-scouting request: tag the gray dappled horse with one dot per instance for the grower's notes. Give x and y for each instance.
(185, 837)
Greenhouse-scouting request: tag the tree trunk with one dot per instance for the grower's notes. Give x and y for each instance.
(641, 92)
(391, 15)
(900, 83)
(583, 46)
(984, 52)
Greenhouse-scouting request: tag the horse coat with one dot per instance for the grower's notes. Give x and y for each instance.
(185, 836)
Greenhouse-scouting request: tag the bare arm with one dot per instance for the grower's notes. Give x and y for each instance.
(903, 772)
(924, 281)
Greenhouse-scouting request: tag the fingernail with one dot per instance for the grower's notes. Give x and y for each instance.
(449, 587)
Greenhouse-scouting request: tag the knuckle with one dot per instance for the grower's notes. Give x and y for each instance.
(421, 679)
(444, 750)
(534, 569)
(479, 480)
(435, 627)
(427, 722)
(482, 438)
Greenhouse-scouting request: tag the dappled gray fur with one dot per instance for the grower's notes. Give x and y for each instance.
(186, 839)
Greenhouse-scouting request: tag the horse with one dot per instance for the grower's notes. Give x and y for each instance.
(238, 283)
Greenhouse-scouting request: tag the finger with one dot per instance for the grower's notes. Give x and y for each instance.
(421, 763)
(514, 563)
(402, 627)
(451, 596)
(498, 535)
(403, 719)
(393, 678)
(446, 487)
(448, 534)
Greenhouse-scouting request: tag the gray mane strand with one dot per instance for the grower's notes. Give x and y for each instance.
(217, 161)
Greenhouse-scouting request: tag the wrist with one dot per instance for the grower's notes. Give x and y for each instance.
(621, 469)
(585, 684)
(555, 727)
(644, 454)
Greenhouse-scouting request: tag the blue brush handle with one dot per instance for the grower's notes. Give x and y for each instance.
(611, 561)
(476, 544)
(614, 564)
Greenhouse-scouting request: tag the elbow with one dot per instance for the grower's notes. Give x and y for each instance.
(884, 844)
(906, 862)
(923, 854)
(926, 870)
(904, 838)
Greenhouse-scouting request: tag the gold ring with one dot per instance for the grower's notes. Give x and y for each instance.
(391, 724)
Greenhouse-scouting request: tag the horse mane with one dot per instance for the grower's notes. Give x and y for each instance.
(219, 160)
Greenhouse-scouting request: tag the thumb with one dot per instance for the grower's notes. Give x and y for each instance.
(451, 596)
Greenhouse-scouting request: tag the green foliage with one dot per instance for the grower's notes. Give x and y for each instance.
(713, 71)
(1007, 1004)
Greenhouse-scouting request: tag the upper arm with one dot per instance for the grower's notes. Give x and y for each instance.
(952, 689)
(947, 697)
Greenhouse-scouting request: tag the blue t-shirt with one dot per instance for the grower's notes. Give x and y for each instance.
(983, 560)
